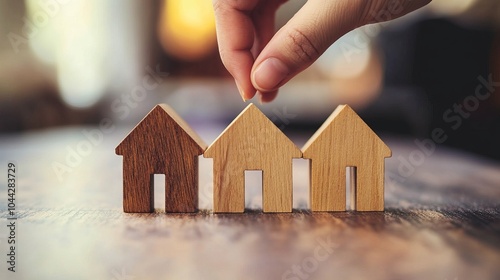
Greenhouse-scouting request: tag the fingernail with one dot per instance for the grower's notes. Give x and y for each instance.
(242, 93)
(269, 74)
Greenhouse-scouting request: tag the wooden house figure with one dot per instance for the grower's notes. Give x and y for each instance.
(252, 142)
(344, 140)
(162, 143)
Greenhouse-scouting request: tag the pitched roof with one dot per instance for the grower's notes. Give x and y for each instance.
(252, 127)
(344, 127)
(155, 122)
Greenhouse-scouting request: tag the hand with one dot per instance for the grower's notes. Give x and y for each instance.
(261, 60)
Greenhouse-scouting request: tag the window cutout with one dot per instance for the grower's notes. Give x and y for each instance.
(253, 189)
(158, 191)
(350, 185)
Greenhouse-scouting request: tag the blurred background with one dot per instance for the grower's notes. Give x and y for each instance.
(76, 62)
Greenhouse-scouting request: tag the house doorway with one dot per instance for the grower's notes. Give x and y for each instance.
(158, 192)
(350, 182)
(253, 189)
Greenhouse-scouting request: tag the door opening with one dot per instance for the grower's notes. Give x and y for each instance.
(158, 191)
(350, 174)
(253, 189)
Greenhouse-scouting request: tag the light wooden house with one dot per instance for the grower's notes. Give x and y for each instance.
(344, 140)
(252, 142)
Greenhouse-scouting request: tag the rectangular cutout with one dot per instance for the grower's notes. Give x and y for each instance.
(350, 174)
(301, 184)
(158, 191)
(253, 189)
(205, 183)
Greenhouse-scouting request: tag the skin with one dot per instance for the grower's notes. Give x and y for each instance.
(262, 60)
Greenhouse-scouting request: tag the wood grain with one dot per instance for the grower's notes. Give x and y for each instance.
(162, 143)
(440, 223)
(344, 140)
(252, 142)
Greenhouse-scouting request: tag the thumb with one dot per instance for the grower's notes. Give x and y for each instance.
(312, 30)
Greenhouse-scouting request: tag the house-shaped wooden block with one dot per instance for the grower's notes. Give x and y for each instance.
(162, 143)
(344, 140)
(252, 142)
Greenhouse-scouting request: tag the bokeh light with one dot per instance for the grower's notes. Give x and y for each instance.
(187, 28)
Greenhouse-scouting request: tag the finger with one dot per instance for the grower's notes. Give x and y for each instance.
(235, 37)
(268, 96)
(300, 42)
(311, 31)
(384, 10)
(263, 17)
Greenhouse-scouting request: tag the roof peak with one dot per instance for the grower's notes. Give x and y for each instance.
(250, 121)
(344, 111)
(165, 111)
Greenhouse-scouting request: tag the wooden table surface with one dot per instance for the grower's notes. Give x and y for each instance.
(441, 222)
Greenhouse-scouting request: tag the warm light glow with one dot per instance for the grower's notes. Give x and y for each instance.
(451, 8)
(187, 28)
(350, 55)
(354, 67)
(342, 67)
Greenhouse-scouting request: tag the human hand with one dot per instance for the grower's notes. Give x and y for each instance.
(261, 60)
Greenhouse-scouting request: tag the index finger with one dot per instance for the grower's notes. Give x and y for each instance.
(235, 37)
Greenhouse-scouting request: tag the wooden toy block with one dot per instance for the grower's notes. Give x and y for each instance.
(252, 142)
(162, 143)
(344, 140)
